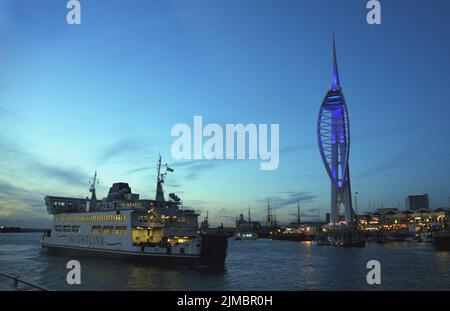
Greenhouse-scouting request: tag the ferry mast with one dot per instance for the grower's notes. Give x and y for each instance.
(93, 202)
(159, 181)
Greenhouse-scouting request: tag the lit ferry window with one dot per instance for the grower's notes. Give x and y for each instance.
(67, 229)
(108, 229)
(76, 229)
(120, 230)
(96, 229)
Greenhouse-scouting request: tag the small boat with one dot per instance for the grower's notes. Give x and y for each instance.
(246, 236)
(319, 242)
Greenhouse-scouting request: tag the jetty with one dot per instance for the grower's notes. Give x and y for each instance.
(16, 283)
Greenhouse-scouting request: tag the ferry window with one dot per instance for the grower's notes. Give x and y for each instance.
(76, 229)
(120, 230)
(182, 250)
(108, 230)
(58, 228)
(67, 229)
(96, 229)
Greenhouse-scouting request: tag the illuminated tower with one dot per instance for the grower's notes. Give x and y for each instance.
(334, 144)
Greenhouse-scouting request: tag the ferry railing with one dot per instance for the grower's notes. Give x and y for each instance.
(17, 280)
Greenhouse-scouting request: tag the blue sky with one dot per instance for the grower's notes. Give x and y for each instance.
(104, 95)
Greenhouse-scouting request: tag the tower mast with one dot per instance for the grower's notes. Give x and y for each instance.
(335, 85)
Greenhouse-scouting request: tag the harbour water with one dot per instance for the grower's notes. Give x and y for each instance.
(250, 265)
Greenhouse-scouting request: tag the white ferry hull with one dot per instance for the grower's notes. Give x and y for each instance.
(128, 255)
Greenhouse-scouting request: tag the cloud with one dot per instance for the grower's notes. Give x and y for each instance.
(72, 176)
(288, 198)
(15, 154)
(139, 169)
(297, 147)
(20, 202)
(379, 132)
(119, 148)
(173, 185)
(26, 178)
(192, 169)
(391, 163)
(358, 136)
(196, 168)
(14, 193)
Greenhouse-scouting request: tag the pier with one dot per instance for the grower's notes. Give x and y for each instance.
(15, 283)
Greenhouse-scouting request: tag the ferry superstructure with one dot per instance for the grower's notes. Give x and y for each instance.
(123, 225)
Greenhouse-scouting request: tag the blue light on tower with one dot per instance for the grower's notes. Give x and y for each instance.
(333, 132)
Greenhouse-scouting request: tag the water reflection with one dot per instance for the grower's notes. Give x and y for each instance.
(250, 265)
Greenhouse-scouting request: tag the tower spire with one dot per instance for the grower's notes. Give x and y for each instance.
(335, 85)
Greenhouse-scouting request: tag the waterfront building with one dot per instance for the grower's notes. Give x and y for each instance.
(416, 202)
(333, 134)
(406, 220)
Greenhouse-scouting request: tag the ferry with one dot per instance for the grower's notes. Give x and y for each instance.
(122, 225)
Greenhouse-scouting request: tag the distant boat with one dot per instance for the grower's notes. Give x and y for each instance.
(319, 242)
(246, 229)
(246, 236)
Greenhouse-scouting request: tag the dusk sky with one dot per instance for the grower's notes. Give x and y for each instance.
(105, 94)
